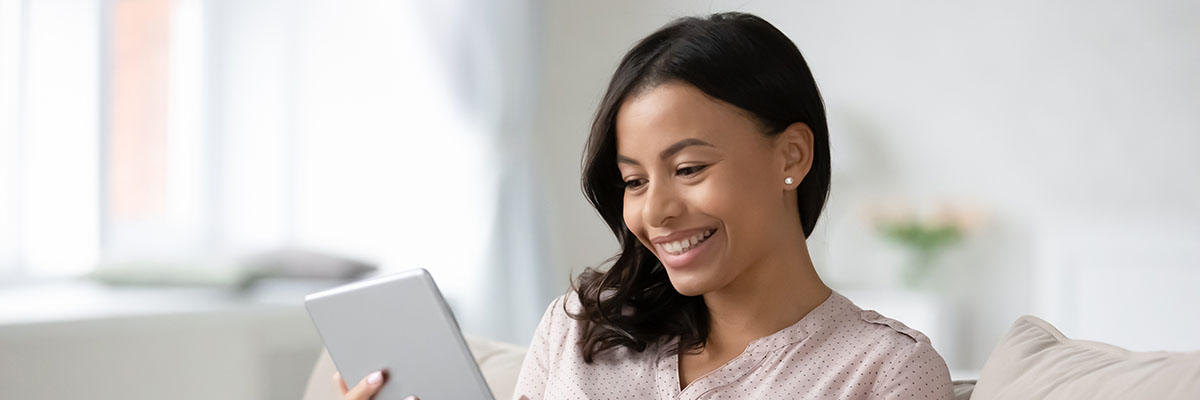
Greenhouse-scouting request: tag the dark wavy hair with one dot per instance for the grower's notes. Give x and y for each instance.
(739, 59)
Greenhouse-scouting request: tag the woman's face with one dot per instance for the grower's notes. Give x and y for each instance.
(704, 187)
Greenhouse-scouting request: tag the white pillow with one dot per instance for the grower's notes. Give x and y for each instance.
(500, 363)
(1035, 361)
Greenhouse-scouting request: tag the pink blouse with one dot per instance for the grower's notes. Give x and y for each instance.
(837, 351)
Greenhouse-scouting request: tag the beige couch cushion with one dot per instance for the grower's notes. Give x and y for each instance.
(1035, 361)
(499, 362)
(963, 388)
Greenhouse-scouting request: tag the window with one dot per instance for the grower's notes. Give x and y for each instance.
(49, 188)
(187, 129)
(153, 172)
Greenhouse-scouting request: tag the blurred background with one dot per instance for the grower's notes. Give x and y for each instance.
(175, 175)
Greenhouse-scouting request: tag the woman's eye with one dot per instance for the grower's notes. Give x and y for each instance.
(633, 184)
(690, 170)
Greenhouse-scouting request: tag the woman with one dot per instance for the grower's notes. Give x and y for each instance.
(709, 160)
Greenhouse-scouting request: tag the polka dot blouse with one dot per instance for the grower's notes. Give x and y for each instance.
(837, 351)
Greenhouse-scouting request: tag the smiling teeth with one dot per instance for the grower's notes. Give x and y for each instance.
(682, 246)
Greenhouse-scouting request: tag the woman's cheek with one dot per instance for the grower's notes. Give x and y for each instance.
(715, 196)
(632, 215)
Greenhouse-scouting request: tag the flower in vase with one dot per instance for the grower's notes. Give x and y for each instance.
(926, 235)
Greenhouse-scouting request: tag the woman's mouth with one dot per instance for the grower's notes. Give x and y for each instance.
(680, 247)
(681, 254)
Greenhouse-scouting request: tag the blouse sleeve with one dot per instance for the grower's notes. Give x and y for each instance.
(917, 373)
(539, 360)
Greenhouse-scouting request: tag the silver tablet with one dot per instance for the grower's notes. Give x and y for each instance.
(397, 322)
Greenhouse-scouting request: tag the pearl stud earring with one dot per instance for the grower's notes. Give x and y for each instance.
(788, 180)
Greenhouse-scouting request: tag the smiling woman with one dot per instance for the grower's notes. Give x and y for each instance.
(709, 160)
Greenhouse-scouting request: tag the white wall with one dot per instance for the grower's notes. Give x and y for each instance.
(1045, 113)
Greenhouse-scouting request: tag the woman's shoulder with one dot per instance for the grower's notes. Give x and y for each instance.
(562, 307)
(557, 326)
(891, 329)
(871, 327)
(564, 334)
(902, 358)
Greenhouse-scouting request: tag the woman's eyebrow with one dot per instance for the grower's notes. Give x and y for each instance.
(669, 151)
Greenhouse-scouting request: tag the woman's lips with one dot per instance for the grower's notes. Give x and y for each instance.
(687, 258)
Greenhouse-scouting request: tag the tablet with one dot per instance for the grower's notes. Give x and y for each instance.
(397, 322)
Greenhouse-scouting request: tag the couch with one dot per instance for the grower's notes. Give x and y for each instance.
(1033, 361)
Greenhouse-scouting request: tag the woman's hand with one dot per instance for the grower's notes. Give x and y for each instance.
(366, 388)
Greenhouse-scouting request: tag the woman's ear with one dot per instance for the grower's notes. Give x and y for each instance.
(795, 145)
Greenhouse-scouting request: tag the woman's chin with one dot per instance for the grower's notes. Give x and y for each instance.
(690, 285)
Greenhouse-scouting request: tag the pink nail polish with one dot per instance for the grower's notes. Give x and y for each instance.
(375, 378)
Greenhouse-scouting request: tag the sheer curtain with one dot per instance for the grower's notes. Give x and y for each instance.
(429, 104)
(394, 132)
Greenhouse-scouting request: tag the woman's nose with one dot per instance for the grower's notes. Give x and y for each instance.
(662, 203)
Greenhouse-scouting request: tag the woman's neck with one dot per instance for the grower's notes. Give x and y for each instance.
(767, 297)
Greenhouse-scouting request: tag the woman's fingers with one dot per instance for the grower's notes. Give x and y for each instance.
(367, 387)
(341, 384)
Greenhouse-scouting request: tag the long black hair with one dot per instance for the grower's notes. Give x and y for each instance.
(736, 58)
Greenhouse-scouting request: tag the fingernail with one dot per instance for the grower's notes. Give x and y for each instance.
(375, 378)
(411, 398)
